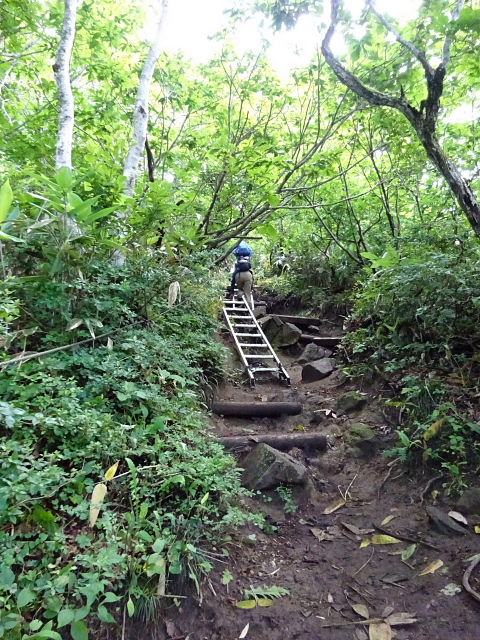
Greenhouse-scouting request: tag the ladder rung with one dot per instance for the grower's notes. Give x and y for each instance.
(252, 326)
(264, 369)
(250, 335)
(239, 317)
(257, 346)
(249, 355)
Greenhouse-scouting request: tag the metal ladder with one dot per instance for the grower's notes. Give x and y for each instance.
(244, 326)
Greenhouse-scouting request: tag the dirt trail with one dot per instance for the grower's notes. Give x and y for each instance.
(326, 577)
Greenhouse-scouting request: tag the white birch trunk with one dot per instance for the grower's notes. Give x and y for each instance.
(61, 68)
(140, 114)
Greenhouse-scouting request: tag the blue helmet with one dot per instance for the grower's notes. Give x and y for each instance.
(243, 250)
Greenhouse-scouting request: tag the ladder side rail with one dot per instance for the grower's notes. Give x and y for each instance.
(264, 338)
(239, 349)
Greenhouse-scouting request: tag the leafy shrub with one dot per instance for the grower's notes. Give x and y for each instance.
(69, 416)
(415, 323)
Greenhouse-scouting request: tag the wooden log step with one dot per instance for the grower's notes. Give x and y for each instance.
(256, 409)
(321, 341)
(300, 320)
(281, 441)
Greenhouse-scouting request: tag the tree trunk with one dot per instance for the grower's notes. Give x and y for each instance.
(140, 114)
(424, 121)
(61, 68)
(461, 189)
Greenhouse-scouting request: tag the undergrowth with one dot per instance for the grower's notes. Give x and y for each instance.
(112, 493)
(415, 325)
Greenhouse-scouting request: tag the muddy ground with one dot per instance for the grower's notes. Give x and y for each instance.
(326, 577)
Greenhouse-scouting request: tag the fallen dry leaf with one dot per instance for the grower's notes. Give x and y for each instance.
(401, 618)
(334, 506)
(246, 604)
(244, 631)
(432, 567)
(265, 602)
(361, 635)
(96, 500)
(433, 429)
(380, 631)
(321, 535)
(383, 539)
(408, 552)
(458, 517)
(365, 543)
(355, 530)
(329, 598)
(387, 520)
(477, 529)
(362, 610)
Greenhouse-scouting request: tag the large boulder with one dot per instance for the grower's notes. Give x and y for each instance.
(260, 311)
(318, 369)
(351, 401)
(270, 325)
(267, 468)
(362, 439)
(287, 335)
(444, 523)
(469, 501)
(313, 352)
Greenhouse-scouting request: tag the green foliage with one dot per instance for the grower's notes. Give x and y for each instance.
(285, 494)
(415, 323)
(66, 417)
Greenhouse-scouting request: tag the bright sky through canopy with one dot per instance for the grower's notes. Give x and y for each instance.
(191, 22)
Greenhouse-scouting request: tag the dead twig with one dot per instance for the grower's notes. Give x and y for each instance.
(346, 495)
(367, 600)
(428, 487)
(364, 565)
(349, 624)
(405, 538)
(466, 577)
(385, 480)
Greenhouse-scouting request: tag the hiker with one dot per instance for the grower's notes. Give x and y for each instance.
(242, 275)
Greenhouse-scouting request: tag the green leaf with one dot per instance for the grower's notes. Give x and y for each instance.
(35, 625)
(83, 210)
(6, 197)
(268, 230)
(246, 604)
(111, 597)
(25, 596)
(99, 214)
(104, 614)
(79, 630)
(227, 577)
(130, 607)
(6, 236)
(65, 616)
(64, 178)
(7, 578)
(82, 613)
(408, 552)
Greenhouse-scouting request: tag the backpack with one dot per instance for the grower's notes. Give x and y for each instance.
(243, 265)
(242, 250)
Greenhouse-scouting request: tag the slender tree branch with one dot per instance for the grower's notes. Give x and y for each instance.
(419, 55)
